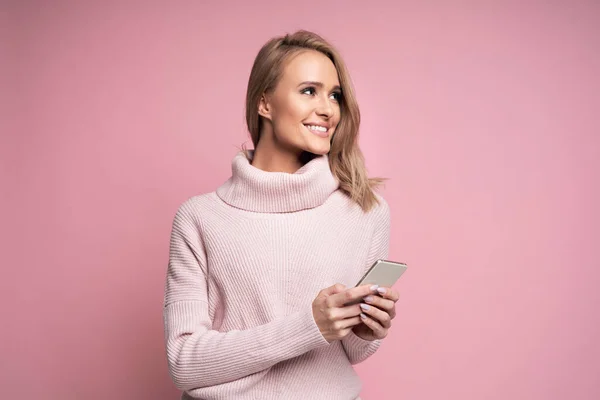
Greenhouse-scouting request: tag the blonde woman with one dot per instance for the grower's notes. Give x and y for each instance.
(260, 270)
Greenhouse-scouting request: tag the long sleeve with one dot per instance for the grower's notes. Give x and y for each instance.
(356, 348)
(198, 356)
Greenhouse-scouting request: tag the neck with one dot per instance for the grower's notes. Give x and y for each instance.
(270, 156)
(275, 162)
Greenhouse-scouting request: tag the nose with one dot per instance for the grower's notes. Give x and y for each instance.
(325, 108)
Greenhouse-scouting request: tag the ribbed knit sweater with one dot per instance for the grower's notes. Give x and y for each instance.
(245, 264)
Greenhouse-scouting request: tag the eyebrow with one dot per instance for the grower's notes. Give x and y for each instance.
(319, 84)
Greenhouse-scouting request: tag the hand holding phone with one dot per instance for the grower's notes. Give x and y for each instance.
(382, 273)
(379, 311)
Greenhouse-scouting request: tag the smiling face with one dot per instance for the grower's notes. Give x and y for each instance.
(301, 114)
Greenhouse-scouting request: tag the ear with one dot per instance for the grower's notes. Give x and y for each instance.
(264, 107)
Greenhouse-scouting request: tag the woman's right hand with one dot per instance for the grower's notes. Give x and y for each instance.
(334, 318)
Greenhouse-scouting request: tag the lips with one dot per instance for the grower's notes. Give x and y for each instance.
(319, 130)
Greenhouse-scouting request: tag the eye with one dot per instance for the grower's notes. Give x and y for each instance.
(309, 90)
(337, 96)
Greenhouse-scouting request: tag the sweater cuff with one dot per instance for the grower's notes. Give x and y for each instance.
(311, 329)
(359, 349)
(359, 342)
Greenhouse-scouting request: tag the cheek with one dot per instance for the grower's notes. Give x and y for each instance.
(295, 112)
(291, 109)
(338, 117)
(299, 110)
(288, 124)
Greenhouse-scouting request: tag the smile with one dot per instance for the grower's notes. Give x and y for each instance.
(316, 128)
(320, 131)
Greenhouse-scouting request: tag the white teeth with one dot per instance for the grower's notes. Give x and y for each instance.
(316, 128)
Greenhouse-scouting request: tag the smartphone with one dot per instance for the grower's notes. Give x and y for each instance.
(383, 273)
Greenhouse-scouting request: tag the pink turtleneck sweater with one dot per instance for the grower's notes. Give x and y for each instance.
(245, 264)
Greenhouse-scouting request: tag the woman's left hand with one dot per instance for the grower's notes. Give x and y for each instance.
(377, 314)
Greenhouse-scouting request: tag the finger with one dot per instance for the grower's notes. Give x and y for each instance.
(349, 322)
(381, 316)
(383, 304)
(340, 313)
(379, 302)
(388, 293)
(334, 289)
(347, 311)
(351, 295)
(378, 331)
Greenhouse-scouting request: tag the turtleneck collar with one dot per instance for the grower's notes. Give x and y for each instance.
(253, 189)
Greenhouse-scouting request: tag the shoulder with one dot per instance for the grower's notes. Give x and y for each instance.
(382, 205)
(193, 209)
(380, 209)
(380, 212)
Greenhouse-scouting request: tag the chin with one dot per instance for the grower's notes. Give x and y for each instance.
(320, 146)
(319, 150)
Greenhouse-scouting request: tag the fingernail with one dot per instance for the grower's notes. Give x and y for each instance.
(374, 287)
(363, 316)
(368, 299)
(381, 290)
(364, 307)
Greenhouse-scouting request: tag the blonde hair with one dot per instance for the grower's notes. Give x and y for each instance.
(345, 157)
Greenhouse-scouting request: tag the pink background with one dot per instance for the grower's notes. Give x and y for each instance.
(484, 115)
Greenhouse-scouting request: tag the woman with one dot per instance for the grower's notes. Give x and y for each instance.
(259, 269)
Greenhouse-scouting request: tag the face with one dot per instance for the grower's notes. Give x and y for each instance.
(303, 111)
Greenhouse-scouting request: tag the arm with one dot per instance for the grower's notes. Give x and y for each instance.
(357, 348)
(199, 356)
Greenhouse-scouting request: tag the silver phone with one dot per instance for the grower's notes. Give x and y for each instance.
(383, 273)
